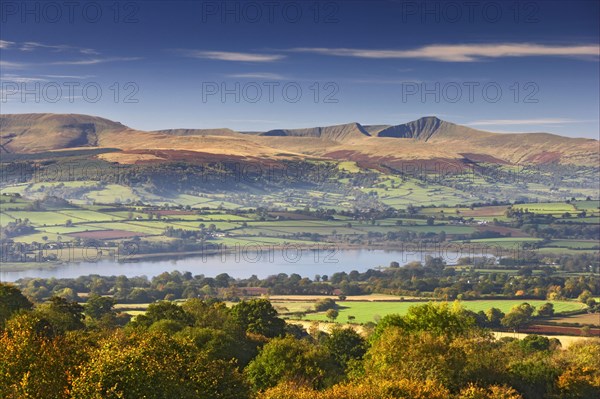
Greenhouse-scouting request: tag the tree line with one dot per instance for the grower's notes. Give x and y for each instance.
(205, 349)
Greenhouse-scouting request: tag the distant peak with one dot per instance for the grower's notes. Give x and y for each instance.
(421, 129)
(430, 118)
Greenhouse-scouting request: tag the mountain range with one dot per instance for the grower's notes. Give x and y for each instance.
(428, 138)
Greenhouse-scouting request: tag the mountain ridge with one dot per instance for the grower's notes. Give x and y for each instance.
(425, 138)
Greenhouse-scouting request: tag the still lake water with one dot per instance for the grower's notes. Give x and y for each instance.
(306, 263)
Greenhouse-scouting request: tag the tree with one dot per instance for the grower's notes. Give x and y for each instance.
(332, 314)
(155, 366)
(580, 375)
(100, 308)
(532, 343)
(546, 310)
(164, 310)
(211, 313)
(494, 317)
(291, 360)
(258, 316)
(519, 316)
(33, 362)
(373, 388)
(345, 346)
(438, 319)
(491, 392)
(584, 296)
(11, 301)
(398, 354)
(325, 304)
(63, 315)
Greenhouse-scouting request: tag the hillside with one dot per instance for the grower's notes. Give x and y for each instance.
(427, 138)
(339, 133)
(30, 133)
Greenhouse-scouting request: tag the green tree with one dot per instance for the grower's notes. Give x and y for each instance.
(332, 314)
(345, 346)
(63, 315)
(436, 318)
(325, 304)
(289, 359)
(258, 316)
(494, 317)
(546, 310)
(155, 366)
(11, 301)
(164, 310)
(519, 316)
(584, 296)
(98, 306)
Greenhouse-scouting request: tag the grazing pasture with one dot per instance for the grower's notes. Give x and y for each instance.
(365, 312)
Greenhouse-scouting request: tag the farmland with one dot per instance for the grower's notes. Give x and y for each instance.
(365, 312)
(111, 224)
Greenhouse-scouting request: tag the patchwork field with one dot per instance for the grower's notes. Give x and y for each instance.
(458, 227)
(365, 312)
(107, 234)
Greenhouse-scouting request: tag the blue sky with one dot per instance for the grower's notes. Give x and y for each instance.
(258, 65)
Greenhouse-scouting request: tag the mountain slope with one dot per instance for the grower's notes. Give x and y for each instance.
(421, 129)
(197, 132)
(28, 133)
(428, 138)
(339, 133)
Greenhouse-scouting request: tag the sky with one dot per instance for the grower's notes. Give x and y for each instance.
(504, 66)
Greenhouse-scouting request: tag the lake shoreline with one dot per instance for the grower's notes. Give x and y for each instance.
(433, 249)
(306, 262)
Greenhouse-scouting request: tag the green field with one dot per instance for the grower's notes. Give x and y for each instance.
(547, 208)
(588, 205)
(54, 223)
(575, 244)
(365, 312)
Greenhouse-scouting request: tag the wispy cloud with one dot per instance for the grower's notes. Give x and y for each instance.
(463, 52)
(79, 77)
(258, 75)
(22, 79)
(10, 77)
(94, 61)
(11, 65)
(540, 121)
(5, 44)
(32, 46)
(231, 56)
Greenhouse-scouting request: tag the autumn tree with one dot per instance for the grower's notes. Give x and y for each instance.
(35, 363)
(155, 366)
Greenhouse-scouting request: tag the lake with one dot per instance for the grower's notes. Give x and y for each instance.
(306, 263)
